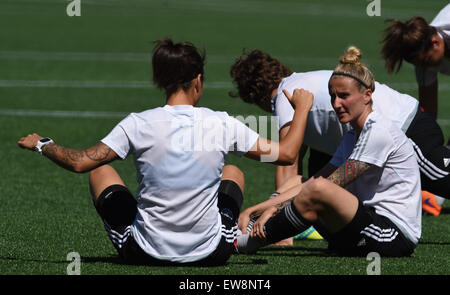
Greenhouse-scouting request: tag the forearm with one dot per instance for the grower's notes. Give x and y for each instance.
(428, 99)
(76, 160)
(347, 172)
(278, 201)
(284, 173)
(291, 143)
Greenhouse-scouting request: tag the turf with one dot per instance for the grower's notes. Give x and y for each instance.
(100, 62)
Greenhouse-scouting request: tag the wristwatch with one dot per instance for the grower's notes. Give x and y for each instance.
(41, 143)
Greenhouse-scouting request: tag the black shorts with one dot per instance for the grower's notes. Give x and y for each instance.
(433, 157)
(368, 232)
(118, 208)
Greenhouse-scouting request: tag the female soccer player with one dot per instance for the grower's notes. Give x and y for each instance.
(367, 199)
(187, 201)
(261, 79)
(427, 47)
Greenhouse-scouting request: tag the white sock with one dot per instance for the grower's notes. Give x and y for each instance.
(247, 245)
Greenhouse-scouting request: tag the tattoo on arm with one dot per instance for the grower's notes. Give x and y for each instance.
(72, 155)
(64, 157)
(348, 172)
(284, 204)
(98, 153)
(70, 158)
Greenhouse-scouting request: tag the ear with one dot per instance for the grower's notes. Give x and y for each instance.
(198, 83)
(436, 41)
(367, 96)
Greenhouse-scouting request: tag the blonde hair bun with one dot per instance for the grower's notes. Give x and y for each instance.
(352, 56)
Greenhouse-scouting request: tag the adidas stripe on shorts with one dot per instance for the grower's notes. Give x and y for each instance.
(117, 207)
(368, 232)
(433, 157)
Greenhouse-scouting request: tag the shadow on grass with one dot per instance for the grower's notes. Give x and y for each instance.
(445, 211)
(435, 243)
(293, 251)
(104, 259)
(32, 260)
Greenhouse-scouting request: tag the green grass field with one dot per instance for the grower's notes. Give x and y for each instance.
(74, 78)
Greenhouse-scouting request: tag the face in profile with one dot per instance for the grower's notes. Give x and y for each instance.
(348, 101)
(433, 56)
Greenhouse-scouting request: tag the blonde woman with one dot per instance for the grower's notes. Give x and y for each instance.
(368, 197)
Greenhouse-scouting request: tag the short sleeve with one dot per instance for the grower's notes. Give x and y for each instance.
(374, 146)
(118, 140)
(240, 138)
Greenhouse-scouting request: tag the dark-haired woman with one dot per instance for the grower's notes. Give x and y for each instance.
(187, 202)
(427, 47)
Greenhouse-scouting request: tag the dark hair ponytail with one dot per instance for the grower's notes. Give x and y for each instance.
(175, 65)
(405, 41)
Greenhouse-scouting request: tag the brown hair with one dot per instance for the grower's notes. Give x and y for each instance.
(256, 74)
(406, 41)
(350, 65)
(175, 65)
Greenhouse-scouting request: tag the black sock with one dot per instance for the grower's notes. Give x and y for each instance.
(285, 224)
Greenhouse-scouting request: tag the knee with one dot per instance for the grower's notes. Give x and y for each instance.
(233, 173)
(310, 196)
(99, 172)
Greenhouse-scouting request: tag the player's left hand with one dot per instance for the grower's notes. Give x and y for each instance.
(258, 226)
(301, 99)
(30, 141)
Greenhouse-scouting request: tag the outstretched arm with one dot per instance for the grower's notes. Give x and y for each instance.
(71, 159)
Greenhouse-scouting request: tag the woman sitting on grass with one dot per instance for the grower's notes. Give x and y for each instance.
(188, 202)
(367, 199)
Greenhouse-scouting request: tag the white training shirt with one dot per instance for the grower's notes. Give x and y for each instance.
(393, 187)
(427, 76)
(179, 152)
(323, 131)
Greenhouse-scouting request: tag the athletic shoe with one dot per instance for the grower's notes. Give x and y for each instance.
(430, 204)
(309, 234)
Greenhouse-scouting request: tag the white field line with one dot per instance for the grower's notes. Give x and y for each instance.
(92, 114)
(142, 57)
(94, 84)
(407, 86)
(61, 114)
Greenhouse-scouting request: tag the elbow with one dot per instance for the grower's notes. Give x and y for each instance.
(287, 159)
(79, 168)
(290, 160)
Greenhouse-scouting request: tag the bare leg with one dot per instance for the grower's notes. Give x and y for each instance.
(102, 177)
(233, 173)
(335, 206)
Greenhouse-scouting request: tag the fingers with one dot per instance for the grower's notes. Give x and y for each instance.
(258, 231)
(287, 94)
(243, 222)
(29, 142)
